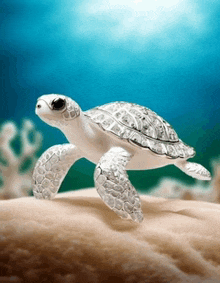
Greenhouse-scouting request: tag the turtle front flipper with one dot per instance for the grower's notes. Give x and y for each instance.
(114, 187)
(194, 170)
(51, 168)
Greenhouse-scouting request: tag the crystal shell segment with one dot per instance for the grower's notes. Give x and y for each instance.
(141, 127)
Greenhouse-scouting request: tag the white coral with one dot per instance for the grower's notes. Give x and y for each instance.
(174, 189)
(171, 188)
(15, 182)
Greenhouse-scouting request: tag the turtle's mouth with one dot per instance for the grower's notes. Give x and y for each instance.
(42, 108)
(39, 104)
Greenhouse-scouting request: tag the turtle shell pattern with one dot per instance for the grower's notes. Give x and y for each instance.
(141, 127)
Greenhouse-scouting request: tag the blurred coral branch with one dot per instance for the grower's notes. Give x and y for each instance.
(170, 188)
(15, 182)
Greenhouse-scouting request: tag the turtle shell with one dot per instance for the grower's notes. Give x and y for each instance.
(141, 127)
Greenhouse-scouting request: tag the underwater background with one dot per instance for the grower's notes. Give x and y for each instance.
(164, 55)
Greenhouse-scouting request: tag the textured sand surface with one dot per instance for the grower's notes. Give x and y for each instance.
(77, 238)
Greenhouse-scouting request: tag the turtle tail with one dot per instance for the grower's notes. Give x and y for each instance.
(194, 170)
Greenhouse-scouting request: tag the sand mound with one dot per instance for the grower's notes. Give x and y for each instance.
(77, 238)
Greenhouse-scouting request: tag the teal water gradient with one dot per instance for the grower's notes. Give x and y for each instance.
(169, 63)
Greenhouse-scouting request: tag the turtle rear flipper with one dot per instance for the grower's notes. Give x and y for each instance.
(194, 170)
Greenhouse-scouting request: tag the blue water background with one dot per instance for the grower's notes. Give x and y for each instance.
(167, 60)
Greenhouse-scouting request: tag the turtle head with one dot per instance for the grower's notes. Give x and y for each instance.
(56, 109)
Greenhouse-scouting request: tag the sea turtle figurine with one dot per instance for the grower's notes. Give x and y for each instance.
(117, 136)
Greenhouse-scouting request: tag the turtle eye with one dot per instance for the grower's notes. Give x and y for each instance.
(58, 104)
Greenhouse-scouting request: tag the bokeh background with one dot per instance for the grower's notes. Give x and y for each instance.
(161, 54)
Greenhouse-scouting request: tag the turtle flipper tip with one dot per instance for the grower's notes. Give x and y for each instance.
(194, 170)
